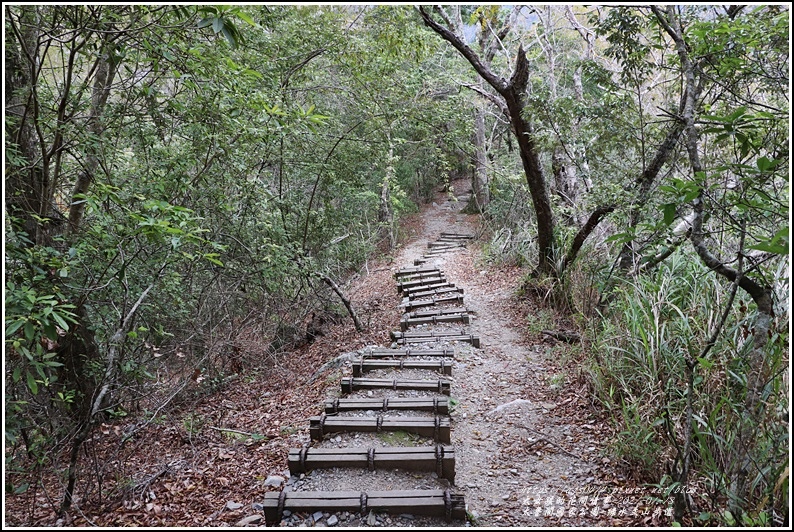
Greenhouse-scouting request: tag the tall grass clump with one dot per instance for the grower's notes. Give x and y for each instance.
(678, 407)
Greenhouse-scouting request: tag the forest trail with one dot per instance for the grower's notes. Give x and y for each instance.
(529, 449)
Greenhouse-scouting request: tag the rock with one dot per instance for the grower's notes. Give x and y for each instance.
(250, 520)
(257, 507)
(409, 517)
(333, 520)
(496, 502)
(514, 471)
(317, 516)
(338, 439)
(372, 518)
(231, 505)
(274, 480)
(286, 513)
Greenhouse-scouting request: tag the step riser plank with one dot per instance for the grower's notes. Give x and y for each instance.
(432, 503)
(473, 340)
(436, 405)
(432, 293)
(349, 385)
(420, 282)
(436, 428)
(360, 367)
(417, 272)
(427, 288)
(441, 460)
(437, 312)
(451, 318)
(410, 305)
(399, 353)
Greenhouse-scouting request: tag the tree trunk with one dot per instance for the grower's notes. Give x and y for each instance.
(27, 177)
(103, 80)
(481, 195)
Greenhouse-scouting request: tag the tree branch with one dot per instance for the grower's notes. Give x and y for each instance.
(499, 84)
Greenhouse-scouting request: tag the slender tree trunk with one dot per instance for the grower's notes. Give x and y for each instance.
(103, 80)
(27, 181)
(480, 185)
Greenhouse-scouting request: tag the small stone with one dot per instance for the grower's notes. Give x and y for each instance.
(250, 520)
(257, 507)
(303, 475)
(286, 513)
(514, 471)
(231, 505)
(317, 516)
(409, 517)
(369, 393)
(495, 502)
(333, 520)
(274, 480)
(372, 518)
(338, 439)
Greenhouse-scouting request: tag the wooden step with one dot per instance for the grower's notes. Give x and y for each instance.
(435, 293)
(396, 335)
(473, 340)
(440, 459)
(438, 252)
(417, 271)
(451, 245)
(457, 236)
(421, 282)
(349, 385)
(392, 353)
(445, 318)
(434, 405)
(434, 503)
(427, 287)
(411, 305)
(436, 427)
(362, 365)
(436, 312)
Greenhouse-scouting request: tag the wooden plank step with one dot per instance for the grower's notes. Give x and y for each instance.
(434, 503)
(391, 353)
(456, 235)
(419, 282)
(435, 292)
(448, 244)
(434, 405)
(361, 366)
(437, 312)
(473, 340)
(411, 305)
(428, 287)
(437, 252)
(396, 335)
(349, 385)
(436, 427)
(416, 271)
(445, 318)
(439, 458)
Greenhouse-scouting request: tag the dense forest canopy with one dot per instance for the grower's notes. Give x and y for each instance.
(187, 186)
